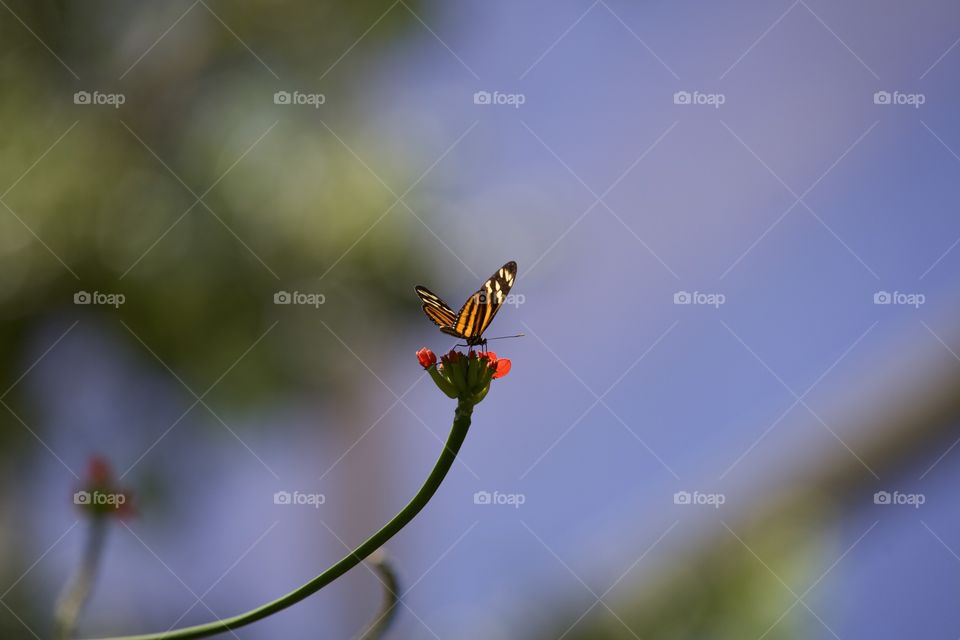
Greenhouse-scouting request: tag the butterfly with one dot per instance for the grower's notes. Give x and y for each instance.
(476, 313)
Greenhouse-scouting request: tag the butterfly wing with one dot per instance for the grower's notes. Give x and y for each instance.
(436, 309)
(480, 308)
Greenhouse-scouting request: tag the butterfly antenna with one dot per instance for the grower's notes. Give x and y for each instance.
(519, 335)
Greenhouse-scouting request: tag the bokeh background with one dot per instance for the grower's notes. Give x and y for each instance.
(786, 190)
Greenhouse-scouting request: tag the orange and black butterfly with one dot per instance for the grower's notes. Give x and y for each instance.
(477, 312)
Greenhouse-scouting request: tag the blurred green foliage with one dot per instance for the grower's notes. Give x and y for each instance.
(112, 206)
(721, 592)
(97, 198)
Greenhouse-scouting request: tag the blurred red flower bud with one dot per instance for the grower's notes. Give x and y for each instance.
(99, 472)
(100, 494)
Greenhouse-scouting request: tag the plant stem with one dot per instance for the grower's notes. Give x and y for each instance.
(461, 424)
(76, 593)
(391, 597)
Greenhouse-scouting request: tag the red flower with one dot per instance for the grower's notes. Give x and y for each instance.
(100, 494)
(500, 366)
(426, 358)
(99, 472)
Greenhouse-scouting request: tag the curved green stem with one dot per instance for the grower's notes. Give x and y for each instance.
(461, 424)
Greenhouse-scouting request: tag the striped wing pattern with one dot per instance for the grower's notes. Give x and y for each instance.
(436, 309)
(477, 312)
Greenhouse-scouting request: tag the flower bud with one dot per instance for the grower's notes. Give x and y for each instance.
(101, 495)
(426, 358)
